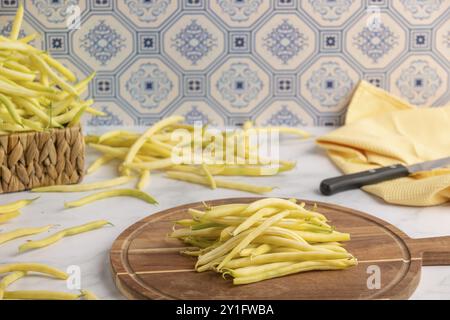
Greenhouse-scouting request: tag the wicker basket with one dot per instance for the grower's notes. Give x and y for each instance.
(37, 159)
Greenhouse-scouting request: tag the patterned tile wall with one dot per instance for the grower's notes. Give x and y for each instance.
(291, 62)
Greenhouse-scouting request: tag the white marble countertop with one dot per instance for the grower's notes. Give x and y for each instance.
(89, 251)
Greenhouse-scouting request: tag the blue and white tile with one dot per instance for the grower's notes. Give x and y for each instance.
(147, 14)
(115, 115)
(331, 13)
(239, 85)
(328, 84)
(421, 12)
(442, 41)
(6, 22)
(285, 41)
(149, 86)
(199, 112)
(242, 57)
(194, 42)
(242, 13)
(285, 113)
(376, 45)
(56, 14)
(103, 43)
(419, 80)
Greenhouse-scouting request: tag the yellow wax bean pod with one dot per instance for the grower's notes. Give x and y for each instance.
(8, 127)
(31, 245)
(77, 118)
(9, 81)
(87, 186)
(154, 165)
(14, 65)
(262, 249)
(34, 267)
(247, 125)
(264, 212)
(285, 257)
(19, 233)
(160, 144)
(32, 107)
(17, 205)
(68, 116)
(253, 242)
(88, 295)
(226, 233)
(286, 233)
(16, 75)
(40, 295)
(111, 194)
(223, 249)
(61, 106)
(209, 176)
(270, 202)
(295, 268)
(91, 139)
(144, 180)
(9, 216)
(99, 162)
(94, 112)
(336, 248)
(188, 232)
(17, 23)
(36, 86)
(6, 117)
(80, 88)
(251, 236)
(153, 130)
(82, 85)
(12, 109)
(323, 237)
(186, 222)
(152, 149)
(251, 270)
(20, 112)
(190, 169)
(45, 80)
(247, 252)
(17, 46)
(254, 170)
(52, 75)
(226, 210)
(193, 178)
(114, 134)
(29, 38)
(33, 125)
(59, 67)
(112, 151)
(10, 279)
(15, 90)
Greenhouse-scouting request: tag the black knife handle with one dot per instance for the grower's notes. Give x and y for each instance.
(331, 186)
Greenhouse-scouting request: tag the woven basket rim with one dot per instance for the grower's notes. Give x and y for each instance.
(37, 159)
(49, 130)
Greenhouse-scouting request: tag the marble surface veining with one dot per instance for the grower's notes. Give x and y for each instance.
(90, 251)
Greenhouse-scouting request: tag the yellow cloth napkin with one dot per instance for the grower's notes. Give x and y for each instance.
(382, 130)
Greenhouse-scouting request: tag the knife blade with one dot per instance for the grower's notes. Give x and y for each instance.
(357, 180)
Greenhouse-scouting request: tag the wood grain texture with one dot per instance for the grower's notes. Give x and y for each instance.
(146, 263)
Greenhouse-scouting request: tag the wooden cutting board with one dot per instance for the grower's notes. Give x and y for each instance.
(146, 263)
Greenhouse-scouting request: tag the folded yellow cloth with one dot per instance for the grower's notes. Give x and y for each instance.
(382, 130)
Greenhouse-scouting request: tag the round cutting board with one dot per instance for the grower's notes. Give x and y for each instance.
(146, 263)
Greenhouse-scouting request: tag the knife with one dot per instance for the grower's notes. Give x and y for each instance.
(331, 186)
